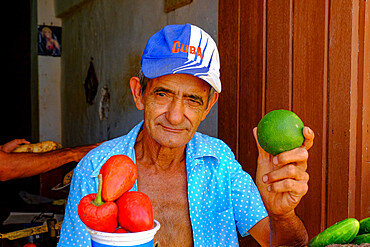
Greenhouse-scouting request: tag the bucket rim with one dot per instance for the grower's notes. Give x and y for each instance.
(151, 231)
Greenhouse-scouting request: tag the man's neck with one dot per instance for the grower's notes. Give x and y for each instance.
(150, 152)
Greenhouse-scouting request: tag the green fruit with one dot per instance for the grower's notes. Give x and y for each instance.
(364, 226)
(342, 232)
(280, 131)
(361, 239)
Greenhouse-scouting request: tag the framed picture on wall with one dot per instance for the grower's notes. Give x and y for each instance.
(49, 41)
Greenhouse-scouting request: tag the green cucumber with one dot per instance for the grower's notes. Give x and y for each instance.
(361, 239)
(342, 232)
(364, 226)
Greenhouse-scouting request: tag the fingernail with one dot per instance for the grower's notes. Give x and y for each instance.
(275, 160)
(269, 188)
(264, 178)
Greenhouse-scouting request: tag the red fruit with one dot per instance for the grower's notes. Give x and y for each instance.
(96, 214)
(135, 211)
(119, 175)
(101, 218)
(120, 230)
(30, 245)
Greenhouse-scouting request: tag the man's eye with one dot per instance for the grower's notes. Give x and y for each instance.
(161, 94)
(194, 102)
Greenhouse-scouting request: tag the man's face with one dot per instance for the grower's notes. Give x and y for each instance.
(174, 106)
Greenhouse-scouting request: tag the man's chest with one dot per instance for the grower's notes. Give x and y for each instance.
(168, 193)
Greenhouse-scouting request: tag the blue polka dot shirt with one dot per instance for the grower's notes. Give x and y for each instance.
(223, 198)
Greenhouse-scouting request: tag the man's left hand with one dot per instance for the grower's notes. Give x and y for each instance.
(282, 179)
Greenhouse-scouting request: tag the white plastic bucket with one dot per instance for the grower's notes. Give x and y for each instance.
(137, 239)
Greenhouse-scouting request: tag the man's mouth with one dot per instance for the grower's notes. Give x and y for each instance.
(171, 129)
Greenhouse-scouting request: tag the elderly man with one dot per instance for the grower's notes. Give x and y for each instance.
(200, 194)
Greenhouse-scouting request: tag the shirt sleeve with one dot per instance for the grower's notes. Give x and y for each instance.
(73, 232)
(246, 199)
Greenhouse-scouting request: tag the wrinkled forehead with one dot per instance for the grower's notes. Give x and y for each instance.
(183, 83)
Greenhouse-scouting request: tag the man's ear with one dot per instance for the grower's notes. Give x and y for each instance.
(137, 92)
(211, 103)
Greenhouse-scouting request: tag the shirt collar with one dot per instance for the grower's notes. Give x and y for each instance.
(198, 148)
(119, 149)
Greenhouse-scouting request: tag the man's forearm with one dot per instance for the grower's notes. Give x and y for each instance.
(20, 165)
(287, 230)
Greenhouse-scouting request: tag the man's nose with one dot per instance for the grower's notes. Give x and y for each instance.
(175, 113)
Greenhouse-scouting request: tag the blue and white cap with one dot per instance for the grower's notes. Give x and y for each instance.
(182, 49)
